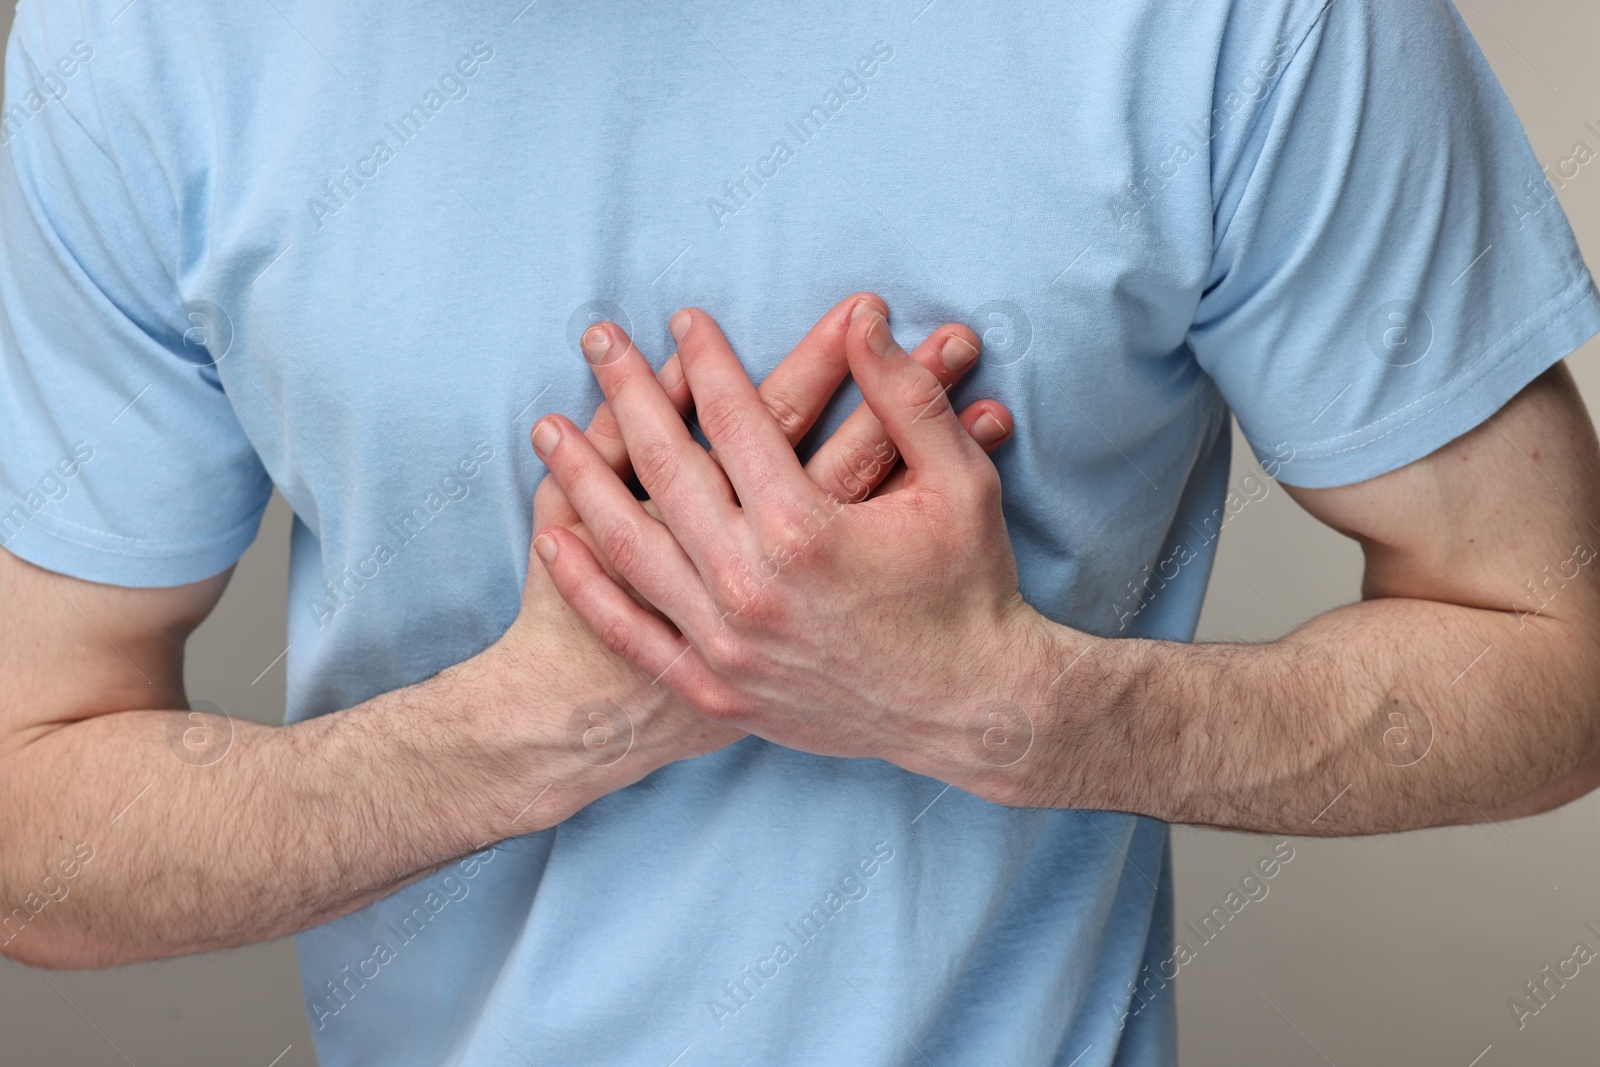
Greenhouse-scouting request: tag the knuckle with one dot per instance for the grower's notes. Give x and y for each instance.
(785, 412)
(723, 650)
(617, 636)
(925, 396)
(720, 705)
(793, 544)
(721, 417)
(656, 465)
(757, 611)
(845, 475)
(842, 478)
(739, 588)
(856, 473)
(623, 544)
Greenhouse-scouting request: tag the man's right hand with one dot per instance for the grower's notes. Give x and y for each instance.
(602, 724)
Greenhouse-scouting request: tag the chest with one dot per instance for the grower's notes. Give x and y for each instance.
(409, 266)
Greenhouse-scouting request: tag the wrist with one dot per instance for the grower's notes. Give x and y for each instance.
(995, 719)
(523, 740)
(1066, 723)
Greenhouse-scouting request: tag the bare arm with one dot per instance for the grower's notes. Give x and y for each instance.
(1464, 687)
(292, 826)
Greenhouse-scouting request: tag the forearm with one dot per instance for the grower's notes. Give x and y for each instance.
(1326, 731)
(291, 827)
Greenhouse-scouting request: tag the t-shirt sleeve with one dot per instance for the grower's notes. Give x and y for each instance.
(1391, 265)
(121, 459)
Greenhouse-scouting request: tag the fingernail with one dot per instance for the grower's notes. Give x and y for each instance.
(957, 353)
(546, 436)
(679, 324)
(863, 307)
(545, 546)
(987, 430)
(596, 343)
(671, 374)
(879, 339)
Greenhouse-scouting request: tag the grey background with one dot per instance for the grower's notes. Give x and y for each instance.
(1394, 950)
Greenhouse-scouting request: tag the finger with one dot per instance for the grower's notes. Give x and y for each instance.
(746, 442)
(643, 551)
(551, 506)
(852, 462)
(606, 436)
(986, 421)
(628, 630)
(799, 388)
(685, 482)
(911, 403)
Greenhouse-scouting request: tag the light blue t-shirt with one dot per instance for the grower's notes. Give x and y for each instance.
(346, 249)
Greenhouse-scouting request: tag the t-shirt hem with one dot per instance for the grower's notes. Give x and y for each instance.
(1423, 426)
(108, 559)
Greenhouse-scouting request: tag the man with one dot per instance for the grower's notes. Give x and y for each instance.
(384, 234)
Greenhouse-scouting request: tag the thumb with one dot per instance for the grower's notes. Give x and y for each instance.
(908, 399)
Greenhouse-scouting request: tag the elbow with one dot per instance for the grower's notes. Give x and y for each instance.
(42, 921)
(1575, 718)
(1581, 775)
(1584, 778)
(42, 926)
(33, 947)
(1561, 793)
(1550, 778)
